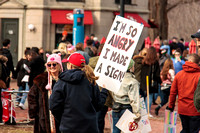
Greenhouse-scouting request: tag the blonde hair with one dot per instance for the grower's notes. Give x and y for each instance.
(88, 71)
(62, 47)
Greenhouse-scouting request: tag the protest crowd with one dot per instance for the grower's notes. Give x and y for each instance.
(64, 97)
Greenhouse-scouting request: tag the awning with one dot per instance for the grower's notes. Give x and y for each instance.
(66, 17)
(135, 17)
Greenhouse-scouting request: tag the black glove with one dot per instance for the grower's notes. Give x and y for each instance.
(170, 109)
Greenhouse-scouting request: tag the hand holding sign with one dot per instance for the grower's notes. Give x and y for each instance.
(117, 53)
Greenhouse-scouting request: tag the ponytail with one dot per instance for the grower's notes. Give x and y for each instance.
(89, 74)
(88, 71)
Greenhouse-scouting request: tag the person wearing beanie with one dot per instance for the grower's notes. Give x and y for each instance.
(76, 98)
(39, 94)
(127, 97)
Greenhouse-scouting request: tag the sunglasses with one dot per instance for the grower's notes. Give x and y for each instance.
(53, 64)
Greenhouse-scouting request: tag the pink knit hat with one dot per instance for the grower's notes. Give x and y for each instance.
(51, 58)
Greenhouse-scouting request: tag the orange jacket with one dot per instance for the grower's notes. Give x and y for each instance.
(184, 85)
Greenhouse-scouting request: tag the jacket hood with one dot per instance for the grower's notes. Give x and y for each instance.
(72, 76)
(93, 61)
(138, 57)
(3, 58)
(191, 67)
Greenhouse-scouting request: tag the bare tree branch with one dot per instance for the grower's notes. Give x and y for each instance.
(174, 5)
(180, 2)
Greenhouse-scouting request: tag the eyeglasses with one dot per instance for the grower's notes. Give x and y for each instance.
(53, 64)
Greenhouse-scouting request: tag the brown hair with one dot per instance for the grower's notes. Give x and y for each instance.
(32, 53)
(194, 58)
(151, 56)
(88, 71)
(185, 53)
(167, 65)
(79, 46)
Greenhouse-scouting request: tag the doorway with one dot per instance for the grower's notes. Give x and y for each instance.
(10, 30)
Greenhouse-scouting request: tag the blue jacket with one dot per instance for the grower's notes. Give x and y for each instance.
(178, 66)
(75, 101)
(167, 47)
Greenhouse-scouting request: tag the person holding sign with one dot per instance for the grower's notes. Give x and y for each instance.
(150, 68)
(127, 97)
(76, 97)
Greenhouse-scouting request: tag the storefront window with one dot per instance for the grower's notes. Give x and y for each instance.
(59, 30)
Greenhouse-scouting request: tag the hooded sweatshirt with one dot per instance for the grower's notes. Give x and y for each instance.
(184, 85)
(75, 101)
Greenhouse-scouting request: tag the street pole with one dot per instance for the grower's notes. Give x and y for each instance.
(122, 8)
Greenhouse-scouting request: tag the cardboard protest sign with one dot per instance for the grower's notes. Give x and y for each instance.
(143, 109)
(127, 124)
(110, 119)
(170, 121)
(117, 53)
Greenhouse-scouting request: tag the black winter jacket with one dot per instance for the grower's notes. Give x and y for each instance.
(75, 101)
(4, 73)
(21, 72)
(150, 71)
(37, 67)
(9, 63)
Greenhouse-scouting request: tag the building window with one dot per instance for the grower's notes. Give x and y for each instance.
(70, 0)
(128, 2)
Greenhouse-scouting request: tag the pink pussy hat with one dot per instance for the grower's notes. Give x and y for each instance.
(51, 58)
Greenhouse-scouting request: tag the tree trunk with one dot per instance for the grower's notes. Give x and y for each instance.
(163, 24)
(158, 12)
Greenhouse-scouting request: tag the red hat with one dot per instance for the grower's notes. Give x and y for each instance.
(76, 59)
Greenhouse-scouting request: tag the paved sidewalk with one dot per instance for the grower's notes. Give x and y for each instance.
(157, 122)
